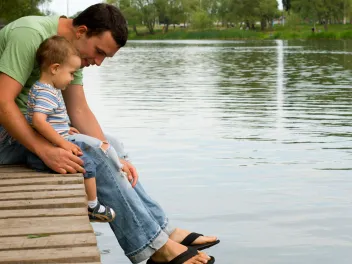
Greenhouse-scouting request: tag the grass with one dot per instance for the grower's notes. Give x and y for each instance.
(302, 31)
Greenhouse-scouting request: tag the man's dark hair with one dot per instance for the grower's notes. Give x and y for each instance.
(102, 17)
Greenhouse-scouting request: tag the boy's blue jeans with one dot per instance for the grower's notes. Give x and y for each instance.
(141, 226)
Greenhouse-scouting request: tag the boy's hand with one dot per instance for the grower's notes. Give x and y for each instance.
(72, 148)
(60, 160)
(73, 131)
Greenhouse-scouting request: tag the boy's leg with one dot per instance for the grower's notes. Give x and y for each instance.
(91, 188)
(94, 142)
(96, 211)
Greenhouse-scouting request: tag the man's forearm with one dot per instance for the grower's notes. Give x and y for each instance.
(17, 126)
(87, 124)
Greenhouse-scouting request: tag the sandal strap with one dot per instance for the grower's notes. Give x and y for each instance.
(180, 259)
(190, 238)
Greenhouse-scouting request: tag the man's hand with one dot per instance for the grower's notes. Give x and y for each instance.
(60, 160)
(128, 168)
(131, 172)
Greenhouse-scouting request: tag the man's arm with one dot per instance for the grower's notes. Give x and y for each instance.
(79, 112)
(17, 126)
(85, 121)
(12, 118)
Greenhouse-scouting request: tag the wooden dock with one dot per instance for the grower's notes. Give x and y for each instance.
(43, 218)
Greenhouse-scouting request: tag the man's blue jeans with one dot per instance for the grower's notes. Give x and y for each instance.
(140, 226)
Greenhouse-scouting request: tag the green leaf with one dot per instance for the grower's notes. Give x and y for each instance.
(37, 236)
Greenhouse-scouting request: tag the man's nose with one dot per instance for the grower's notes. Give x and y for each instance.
(99, 61)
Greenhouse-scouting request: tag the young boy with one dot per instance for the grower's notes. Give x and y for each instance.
(58, 60)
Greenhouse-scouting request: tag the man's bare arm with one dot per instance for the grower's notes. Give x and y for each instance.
(15, 123)
(12, 118)
(85, 121)
(79, 112)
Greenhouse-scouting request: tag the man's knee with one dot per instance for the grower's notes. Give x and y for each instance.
(118, 146)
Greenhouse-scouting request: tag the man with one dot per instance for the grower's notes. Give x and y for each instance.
(141, 226)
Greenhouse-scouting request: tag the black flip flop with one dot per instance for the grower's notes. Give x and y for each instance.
(180, 259)
(193, 236)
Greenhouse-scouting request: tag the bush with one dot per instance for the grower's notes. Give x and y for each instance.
(201, 20)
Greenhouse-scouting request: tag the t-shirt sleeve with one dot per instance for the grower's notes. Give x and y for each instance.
(18, 57)
(78, 77)
(44, 101)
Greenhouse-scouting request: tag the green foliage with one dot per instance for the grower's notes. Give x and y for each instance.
(201, 20)
(300, 31)
(286, 4)
(13, 9)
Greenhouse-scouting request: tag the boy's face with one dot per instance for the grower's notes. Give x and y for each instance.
(65, 71)
(95, 49)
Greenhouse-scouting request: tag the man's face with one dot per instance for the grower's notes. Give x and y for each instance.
(95, 49)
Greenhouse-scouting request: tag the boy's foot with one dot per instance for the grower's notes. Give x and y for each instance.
(101, 213)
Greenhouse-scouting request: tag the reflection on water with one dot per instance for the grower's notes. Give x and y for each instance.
(250, 141)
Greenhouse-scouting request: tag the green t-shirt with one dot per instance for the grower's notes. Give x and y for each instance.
(19, 42)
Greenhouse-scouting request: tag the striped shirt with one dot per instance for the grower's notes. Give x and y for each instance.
(44, 98)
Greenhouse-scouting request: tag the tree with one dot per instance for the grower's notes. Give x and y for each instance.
(322, 11)
(286, 4)
(11, 10)
(130, 12)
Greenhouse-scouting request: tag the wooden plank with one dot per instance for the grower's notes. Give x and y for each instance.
(33, 174)
(45, 203)
(57, 255)
(31, 188)
(42, 195)
(50, 206)
(42, 181)
(15, 169)
(44, 225)
(52, 212)
(52, 241)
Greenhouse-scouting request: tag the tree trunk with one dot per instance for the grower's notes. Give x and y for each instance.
(263, 24)
(326, 25)
(135, 29)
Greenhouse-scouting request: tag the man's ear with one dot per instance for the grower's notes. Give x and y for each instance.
(80, 30)
(54, 68)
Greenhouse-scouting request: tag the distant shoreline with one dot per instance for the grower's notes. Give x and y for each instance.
(335, 32)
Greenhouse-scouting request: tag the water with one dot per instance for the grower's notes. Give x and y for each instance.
(249, 141)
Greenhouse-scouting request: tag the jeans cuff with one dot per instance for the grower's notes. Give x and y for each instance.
(154, 246)
(168, 229)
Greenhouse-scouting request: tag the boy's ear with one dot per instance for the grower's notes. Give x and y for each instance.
(54, 68)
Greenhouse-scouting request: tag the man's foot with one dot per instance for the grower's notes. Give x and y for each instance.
(101, 213)
(172, 249)
(180, 234)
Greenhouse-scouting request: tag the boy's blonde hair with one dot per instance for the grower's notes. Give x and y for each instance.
(55, 49)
